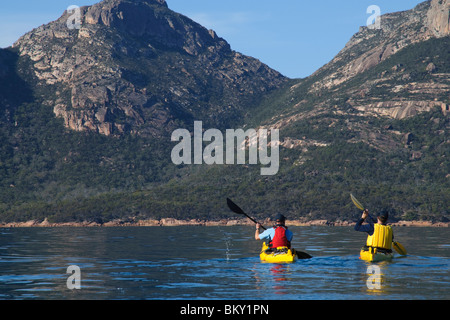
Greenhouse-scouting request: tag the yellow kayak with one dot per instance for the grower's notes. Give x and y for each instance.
(373, 255)
(279, 255)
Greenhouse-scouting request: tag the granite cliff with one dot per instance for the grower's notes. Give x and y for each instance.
(372, 45)
(396, 71)
(137, 66)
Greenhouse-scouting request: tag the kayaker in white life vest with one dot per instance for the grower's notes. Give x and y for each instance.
(380, 235)
(278, 236)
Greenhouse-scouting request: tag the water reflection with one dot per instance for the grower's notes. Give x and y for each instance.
(279, 274)
(275, 278)
(376, 279)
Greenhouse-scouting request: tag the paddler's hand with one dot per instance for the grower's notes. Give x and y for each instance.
(257, 231)
(365, 214)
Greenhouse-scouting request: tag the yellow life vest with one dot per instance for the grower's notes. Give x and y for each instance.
(381, 237)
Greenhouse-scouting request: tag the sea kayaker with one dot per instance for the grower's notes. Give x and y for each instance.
(380, 235)
(278, 236)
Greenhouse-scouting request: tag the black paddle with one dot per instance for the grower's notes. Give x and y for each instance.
(236, 209)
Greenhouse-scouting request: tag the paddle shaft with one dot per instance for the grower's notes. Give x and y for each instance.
(236, 209)
(254, 220)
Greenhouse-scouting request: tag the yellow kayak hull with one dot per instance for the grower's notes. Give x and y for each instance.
(282, 256)
(372, 255)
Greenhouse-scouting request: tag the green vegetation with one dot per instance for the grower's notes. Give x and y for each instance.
(48, 171)
(87, 177)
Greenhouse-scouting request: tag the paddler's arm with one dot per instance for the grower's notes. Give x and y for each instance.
(257, 231)
(265, 235)
(367, 227)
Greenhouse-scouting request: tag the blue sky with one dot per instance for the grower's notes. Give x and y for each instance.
(295, 37)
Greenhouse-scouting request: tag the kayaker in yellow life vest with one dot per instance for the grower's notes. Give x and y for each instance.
(380, 235)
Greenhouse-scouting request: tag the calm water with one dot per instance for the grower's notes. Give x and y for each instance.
(215, 263)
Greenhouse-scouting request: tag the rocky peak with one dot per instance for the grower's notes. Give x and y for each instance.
(108, 4)
(137, 66)
(395, 72)
(369, 47)
(151, 20)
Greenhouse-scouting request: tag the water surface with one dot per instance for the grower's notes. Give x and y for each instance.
(173, 263)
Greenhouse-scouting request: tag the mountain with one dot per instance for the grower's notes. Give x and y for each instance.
(397, 71)
(375, 120)
(139, 67)
(86, 116)
(371, 45)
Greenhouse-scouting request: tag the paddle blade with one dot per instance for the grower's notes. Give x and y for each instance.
(234, 207)
(356, 202)
(399, 248)
(302, 255)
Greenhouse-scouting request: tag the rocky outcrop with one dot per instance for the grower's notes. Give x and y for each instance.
(137, 66)
(290, 143)
(438, 18)
(150, 19)
(170, 222)
(370, 46)
(398, 109)
(395, 72)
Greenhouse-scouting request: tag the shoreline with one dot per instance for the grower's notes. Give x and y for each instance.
(170, 222)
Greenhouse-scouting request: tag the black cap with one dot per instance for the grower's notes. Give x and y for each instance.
(280, 217)
(384, 215)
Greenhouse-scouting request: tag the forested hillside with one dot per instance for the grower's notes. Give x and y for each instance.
(381, 133)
